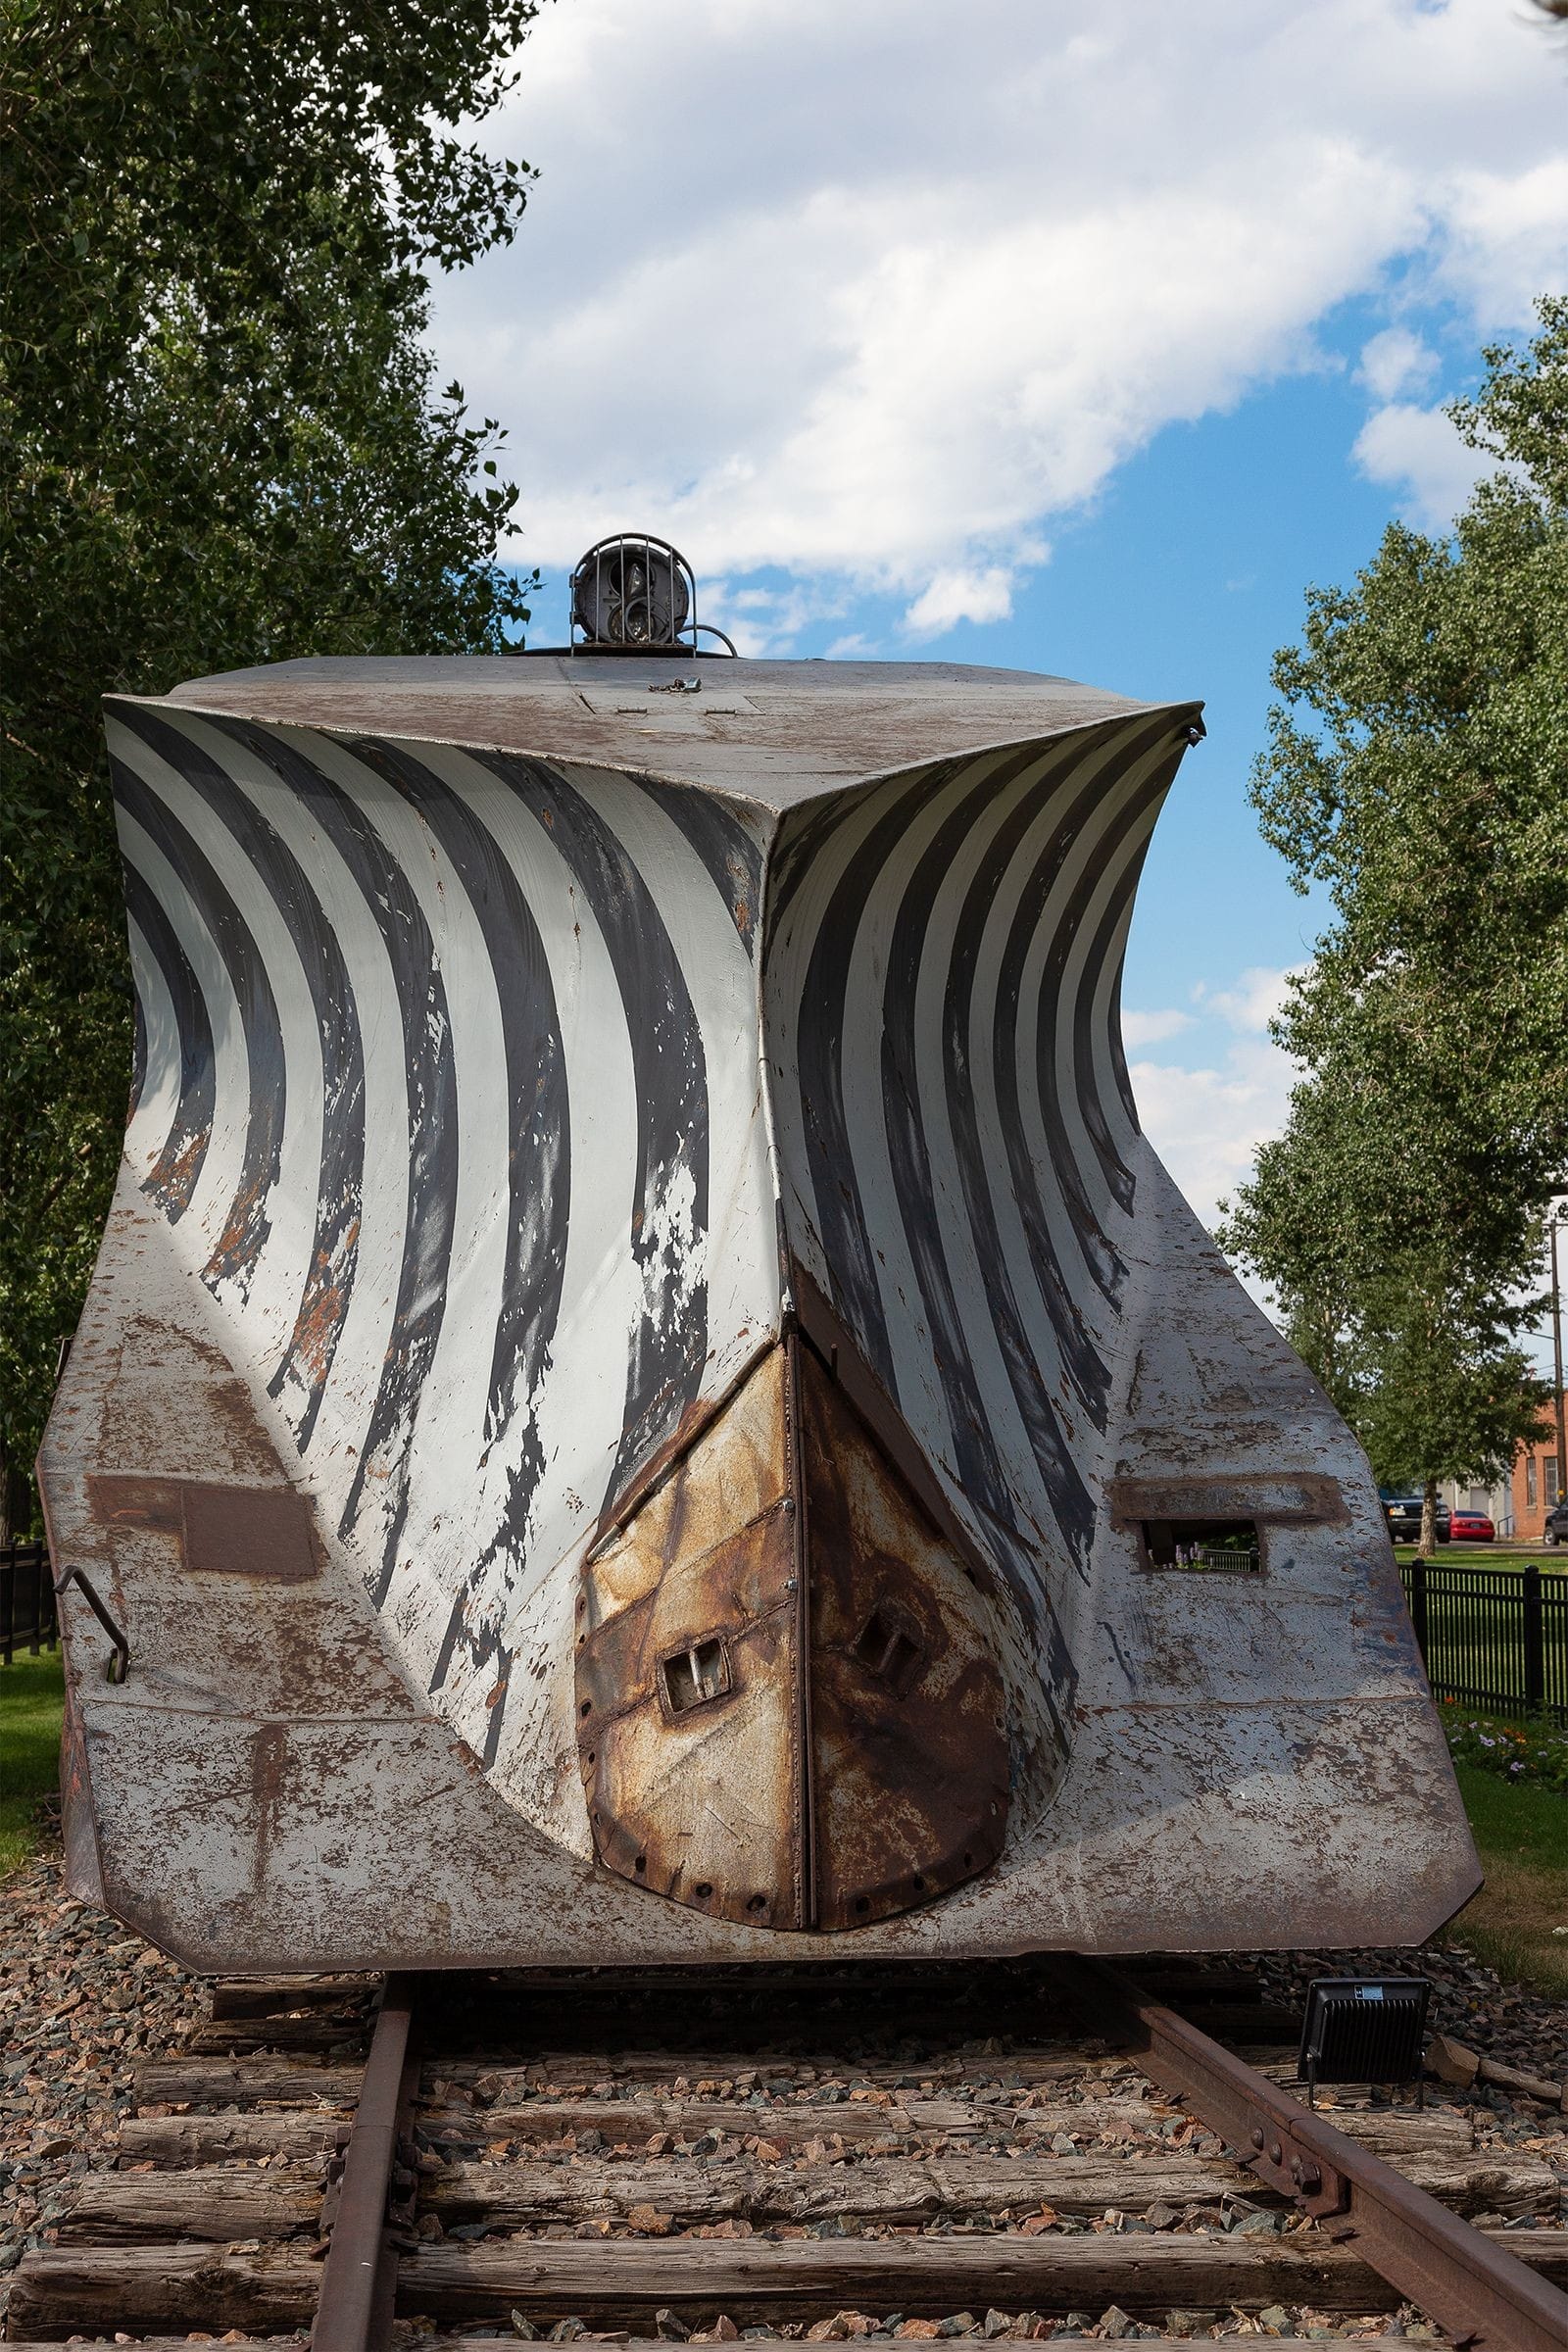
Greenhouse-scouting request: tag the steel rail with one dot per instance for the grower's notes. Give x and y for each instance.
(1478, 2293)
(359, 2277)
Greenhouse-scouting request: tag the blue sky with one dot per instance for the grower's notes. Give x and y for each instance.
(1051, 336)
(1180, 578)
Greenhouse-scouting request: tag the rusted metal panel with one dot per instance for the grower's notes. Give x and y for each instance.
(1306, 1498)
(788, 1713)
(78, 1826)
(689, 1671)
(502, 1115)
(833, 1343)
(262, 1532)
(908, 1734)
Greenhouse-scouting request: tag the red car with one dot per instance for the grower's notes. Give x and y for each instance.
(1471, 1527)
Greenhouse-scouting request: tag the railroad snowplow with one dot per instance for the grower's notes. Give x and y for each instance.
(645, 1396)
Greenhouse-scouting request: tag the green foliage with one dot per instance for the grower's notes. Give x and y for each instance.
(221, 443)
(1425, 1366)
(32, 1697)
(1418, 766)
(1445, 1396)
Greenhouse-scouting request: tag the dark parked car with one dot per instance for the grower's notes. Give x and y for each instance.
(1403, 1512)
(1471, 1527)
(1556, 1528)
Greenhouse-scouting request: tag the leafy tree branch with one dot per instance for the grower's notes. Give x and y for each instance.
(1417, 766)
(222, 442)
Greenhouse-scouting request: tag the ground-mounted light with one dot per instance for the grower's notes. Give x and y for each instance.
(1363, 2030)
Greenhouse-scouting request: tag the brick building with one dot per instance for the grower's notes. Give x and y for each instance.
(1537, 1480)
(1517, 1506)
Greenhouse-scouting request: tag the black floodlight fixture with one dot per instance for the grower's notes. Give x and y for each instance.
(634, 594)
(1363, 2030)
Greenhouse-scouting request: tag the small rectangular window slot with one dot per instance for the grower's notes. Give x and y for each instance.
(885, 1650)
(1215, 1547)
(695, 1675)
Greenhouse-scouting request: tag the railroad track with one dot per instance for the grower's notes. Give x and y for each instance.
(1022, 2146)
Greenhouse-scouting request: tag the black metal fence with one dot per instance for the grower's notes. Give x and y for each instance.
(1494, 1638)
(28, 1617)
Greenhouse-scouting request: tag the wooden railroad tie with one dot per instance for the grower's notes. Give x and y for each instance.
(539, 2193)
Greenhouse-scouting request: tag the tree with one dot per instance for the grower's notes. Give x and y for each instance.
(1418, 766)
(1447, 1392)
(221, 442)
(1385, 1263)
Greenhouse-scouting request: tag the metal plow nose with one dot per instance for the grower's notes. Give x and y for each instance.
(788, 1713)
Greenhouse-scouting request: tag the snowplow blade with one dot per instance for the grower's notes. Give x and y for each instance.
(645, 1396)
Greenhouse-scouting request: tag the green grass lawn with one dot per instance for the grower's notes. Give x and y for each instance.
(1521, 1837)
(32, 1697)
(1491, 1555)
(1527, 1824)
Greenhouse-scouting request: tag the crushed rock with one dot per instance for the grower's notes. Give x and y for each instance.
(81, 2002)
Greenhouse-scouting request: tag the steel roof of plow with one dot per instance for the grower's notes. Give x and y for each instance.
(774, 733)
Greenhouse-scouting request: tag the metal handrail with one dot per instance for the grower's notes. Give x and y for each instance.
(119, 1667)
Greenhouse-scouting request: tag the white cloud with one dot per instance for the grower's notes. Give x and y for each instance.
(1258, 995)
(1206, 1115)
(960, 595)
(871, 295)
(1505, 241)
(1206, 1122)
(1396, 361)
(1153, 1028)
(1417, 454)
(757, 618)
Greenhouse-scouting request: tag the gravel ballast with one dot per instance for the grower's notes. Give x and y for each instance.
(83, 2003)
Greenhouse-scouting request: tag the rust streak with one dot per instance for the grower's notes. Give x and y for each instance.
(789, 1711)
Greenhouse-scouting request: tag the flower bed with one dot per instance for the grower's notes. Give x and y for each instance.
(1532, 1752)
